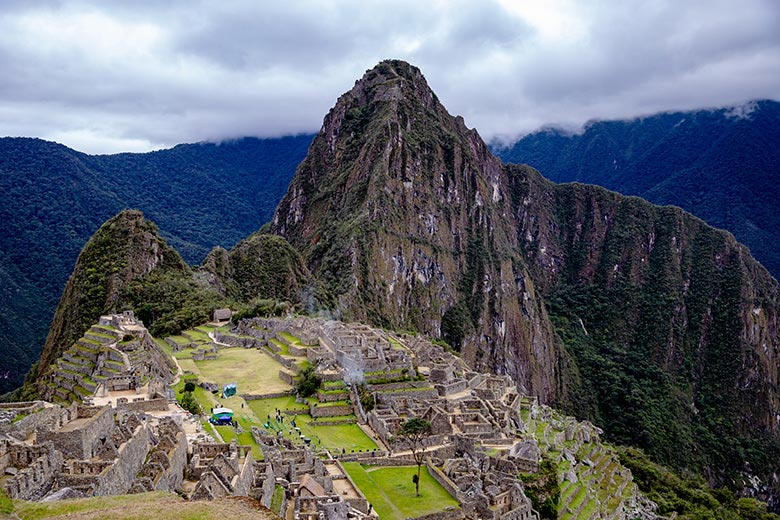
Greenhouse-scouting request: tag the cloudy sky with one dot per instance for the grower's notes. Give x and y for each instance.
(104, 76)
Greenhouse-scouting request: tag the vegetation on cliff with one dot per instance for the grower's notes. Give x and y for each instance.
(664, 328)
(126, 248)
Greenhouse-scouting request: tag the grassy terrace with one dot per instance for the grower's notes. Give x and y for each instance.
(347, 437)
(289, 338)
(391, 491)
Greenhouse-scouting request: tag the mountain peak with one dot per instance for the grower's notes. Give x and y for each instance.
(393, 80)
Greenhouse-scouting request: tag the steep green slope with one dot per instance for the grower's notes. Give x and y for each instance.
(128, 265)
(721, 165)
(260, 266)
(202, 195)
(125, 249)
(671, 325)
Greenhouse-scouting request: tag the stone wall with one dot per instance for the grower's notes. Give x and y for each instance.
(447, 514)
(238, 341)
(287, 377)
(36, 468)
(46, 419)
(254, 397)
(331, 411)
(388, 397)
(82, 442)
(242, 483)
(145, 405)
(120, 476)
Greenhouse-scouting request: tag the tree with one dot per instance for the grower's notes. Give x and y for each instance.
(189, 403)
(415, 431)
(307, 382)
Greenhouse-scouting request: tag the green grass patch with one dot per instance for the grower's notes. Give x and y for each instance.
(347, 437)
(283, 349)
(101, 335)
(6, 505)
(158, 505)
(392, 493)
(277, 498)
(253, 371)
(289, 338)
(197, 335)
(226, 432)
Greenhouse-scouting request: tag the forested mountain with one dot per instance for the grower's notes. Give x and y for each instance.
(721, 165)
(55, 198)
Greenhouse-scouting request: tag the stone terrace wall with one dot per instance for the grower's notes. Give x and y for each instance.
(445, 481)
(39, 464)
(47, 419)
(242, 483)
(447, 514)
(331, 411)
(238, 341)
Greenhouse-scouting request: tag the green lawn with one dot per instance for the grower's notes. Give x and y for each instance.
(158, 505)
(290, 338)
(391, 491)
(348, 437)
(254, 371)
(283, 349)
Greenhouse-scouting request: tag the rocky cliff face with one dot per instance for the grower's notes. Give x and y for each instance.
(126, 248)
(672, 324)
(642, 318)
(404, 215)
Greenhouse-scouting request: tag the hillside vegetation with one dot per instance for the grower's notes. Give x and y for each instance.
(202, 195)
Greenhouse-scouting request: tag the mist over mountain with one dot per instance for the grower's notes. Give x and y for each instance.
(643, 319)
(721, 165)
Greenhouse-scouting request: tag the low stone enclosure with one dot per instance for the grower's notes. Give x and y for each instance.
(484, 432)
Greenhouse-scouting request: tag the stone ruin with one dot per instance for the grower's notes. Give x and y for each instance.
(483, 432)
(221, 470)
(91, 450)
(314, 488)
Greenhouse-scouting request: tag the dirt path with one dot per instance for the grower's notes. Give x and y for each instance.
(179, 371)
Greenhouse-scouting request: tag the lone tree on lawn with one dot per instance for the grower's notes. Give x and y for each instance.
(415, 431)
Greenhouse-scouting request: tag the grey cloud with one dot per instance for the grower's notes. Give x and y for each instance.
(147, 74)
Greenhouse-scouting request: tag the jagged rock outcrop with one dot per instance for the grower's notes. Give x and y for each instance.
(404, 214)
(642, 318)
(260, 266)
(126, 248)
